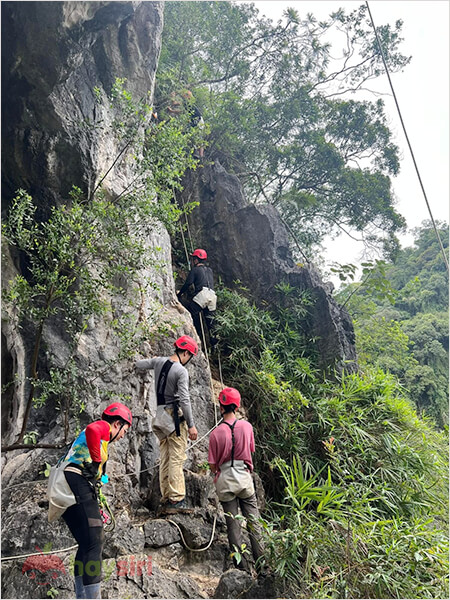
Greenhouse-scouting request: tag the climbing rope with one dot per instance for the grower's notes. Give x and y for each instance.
(38, 553)
(201, 315)
(220, 369)
(184, 541)
(187, 224)
(185, 544)
(406, 135)
(109, 522)
(209, 366)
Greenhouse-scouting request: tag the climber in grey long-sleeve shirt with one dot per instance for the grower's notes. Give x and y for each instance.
(177, 385)
(170, 426)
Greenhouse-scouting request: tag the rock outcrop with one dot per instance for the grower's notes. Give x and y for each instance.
(249, 243)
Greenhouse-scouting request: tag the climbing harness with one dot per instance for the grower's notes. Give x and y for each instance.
(232, 439)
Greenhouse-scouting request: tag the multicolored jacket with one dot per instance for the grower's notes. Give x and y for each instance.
(91, 445)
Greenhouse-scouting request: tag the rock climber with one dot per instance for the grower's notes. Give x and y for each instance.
(173, 423)
(86, 464)
(231, 446)
(204, 299)
(185, 101)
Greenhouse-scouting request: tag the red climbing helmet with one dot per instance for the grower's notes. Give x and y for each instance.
(185, 342)
(230, 396)
(117, 409)
(199, 253)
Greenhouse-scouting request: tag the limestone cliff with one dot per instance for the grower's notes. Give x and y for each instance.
(54, 55)
(250, 244)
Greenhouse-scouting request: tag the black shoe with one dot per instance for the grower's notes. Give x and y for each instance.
(173, 508)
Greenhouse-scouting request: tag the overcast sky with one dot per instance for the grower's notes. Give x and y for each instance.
(422, 91)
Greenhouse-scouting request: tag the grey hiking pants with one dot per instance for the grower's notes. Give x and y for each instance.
(249, 509)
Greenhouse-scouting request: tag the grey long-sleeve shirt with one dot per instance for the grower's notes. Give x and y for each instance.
(177, 386)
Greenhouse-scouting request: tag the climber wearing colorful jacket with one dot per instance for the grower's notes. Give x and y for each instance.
(204, 299)
(173, 423)
(231, 446)
(86, 463)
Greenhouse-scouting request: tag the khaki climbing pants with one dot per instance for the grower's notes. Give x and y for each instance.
(173, 454)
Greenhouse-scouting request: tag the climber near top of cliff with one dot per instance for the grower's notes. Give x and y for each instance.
(184, 101)
(86, 463)
(173, 423)
(204, 300)
(231, 446)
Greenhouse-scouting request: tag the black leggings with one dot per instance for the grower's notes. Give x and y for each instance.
(85, 524)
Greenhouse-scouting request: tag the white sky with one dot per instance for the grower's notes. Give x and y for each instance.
(422, 91)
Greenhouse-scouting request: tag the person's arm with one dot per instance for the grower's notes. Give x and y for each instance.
(146, 363)
(212, 454)
(95, 433)
(189, 281)
(185, 402)
(183, 397)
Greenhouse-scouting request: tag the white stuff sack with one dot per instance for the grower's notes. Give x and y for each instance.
(59, 494)
(206, 298)
(163, 424)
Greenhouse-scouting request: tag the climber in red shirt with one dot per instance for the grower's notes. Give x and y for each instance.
(231, 446)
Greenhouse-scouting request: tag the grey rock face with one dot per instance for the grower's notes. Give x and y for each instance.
(233, 584)
(249, 243)
(54, 55)
(160, 533)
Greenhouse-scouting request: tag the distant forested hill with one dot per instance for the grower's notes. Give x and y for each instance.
(409, 335)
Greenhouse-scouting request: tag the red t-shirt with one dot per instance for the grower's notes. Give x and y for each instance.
(97, 433)
(220, 443)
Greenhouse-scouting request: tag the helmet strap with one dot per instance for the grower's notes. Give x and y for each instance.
(120, 429)
(177, 350)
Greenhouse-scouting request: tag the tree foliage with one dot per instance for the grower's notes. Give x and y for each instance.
(408, 336)
(357, 482)
(273, 98)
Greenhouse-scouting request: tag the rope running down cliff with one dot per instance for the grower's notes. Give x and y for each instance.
(201, 319)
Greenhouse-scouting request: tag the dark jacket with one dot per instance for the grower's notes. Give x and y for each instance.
(200, 276)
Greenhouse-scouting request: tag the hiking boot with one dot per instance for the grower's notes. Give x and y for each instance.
(173, 508)
(161, 507)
